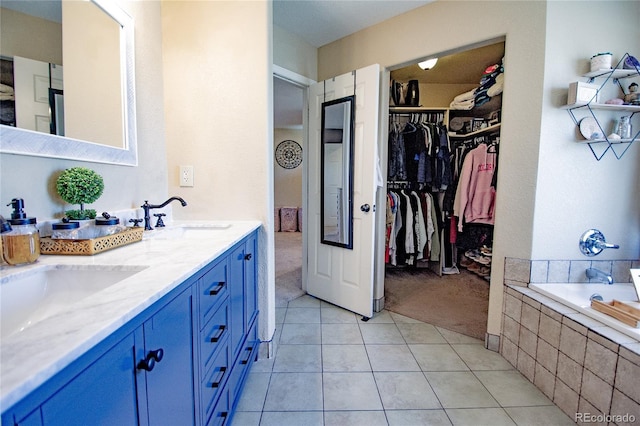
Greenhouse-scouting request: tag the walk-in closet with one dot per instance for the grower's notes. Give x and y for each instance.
(442, 167)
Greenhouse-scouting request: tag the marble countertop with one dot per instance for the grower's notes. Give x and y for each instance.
(164, 258)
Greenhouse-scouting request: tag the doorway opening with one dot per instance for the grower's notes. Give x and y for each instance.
(444, 136)
(289, 143)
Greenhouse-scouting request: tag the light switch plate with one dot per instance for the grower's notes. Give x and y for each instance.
(186, 175)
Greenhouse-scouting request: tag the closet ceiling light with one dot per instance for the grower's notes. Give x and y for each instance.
(428, 64)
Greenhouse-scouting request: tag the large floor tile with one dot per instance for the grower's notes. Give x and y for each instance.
(255, 392)
(420, 333)
(247, 418)
(280, 313)
(289, 418)
(479, 358)
(437, 358)
(479, 416)
(355, 418)
(345, 334)
(335, 315)
(302, 316)
(305, 301)
(405, 391)
(539, 416)
(381, 334)
(298, 359)
(300, 334)
(294, 392)
(391, 358)
(460, 390)
(350, 392)
(417, 418)
(344, 358)
(512, 389)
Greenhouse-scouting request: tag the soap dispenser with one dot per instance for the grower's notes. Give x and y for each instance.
(22, 243)
(4, 227)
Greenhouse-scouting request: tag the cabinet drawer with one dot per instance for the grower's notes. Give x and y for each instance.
(220, 414)
(213, 288)
(214, 335)
(215, 379)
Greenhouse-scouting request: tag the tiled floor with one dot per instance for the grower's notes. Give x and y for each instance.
(331, 368)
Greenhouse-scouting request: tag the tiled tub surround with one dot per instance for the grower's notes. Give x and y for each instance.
(28, 360)
(586, 367)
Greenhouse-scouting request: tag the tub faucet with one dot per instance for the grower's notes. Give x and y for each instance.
(147, 207)
(599, 275)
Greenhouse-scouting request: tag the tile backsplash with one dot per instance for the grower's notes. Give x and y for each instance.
(524, 271)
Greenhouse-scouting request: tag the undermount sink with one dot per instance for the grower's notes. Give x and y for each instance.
(33, 296)
(190, 231)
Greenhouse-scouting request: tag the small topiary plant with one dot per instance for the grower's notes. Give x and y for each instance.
(79, 185)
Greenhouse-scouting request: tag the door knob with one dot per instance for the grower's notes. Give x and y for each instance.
(365, 208)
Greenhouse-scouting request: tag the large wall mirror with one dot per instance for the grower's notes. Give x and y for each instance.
(336, 219)
(70, 73)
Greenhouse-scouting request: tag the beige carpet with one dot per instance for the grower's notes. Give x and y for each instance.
(457, 302)
(288, 267)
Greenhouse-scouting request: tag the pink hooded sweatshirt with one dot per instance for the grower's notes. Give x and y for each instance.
(475, 197)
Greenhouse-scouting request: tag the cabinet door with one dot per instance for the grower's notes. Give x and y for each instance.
(237, 299)
(168, 338)
(251, 293)
(103, 394)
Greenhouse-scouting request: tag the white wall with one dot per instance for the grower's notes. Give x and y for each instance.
(218, 85)
(294, 54)
(287, 183)
(574, 191)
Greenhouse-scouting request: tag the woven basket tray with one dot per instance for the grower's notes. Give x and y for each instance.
(90, 247)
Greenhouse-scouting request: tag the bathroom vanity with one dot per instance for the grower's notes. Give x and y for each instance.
(169, 341)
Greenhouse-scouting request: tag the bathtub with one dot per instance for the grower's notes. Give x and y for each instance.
(577, 296)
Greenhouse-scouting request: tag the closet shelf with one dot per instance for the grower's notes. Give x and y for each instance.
(401, 109)
(489, 129)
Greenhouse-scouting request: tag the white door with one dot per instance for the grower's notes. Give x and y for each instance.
(338, 275)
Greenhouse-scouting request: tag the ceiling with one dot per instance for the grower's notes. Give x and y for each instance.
(320, 22)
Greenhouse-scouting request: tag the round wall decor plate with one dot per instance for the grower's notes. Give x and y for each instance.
(588, 126)
(289, 154)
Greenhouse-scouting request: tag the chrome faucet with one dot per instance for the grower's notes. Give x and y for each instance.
(147, 207)
(592, 242)
(599, 275)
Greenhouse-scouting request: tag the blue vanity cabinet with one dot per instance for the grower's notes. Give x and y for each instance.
(183, 361)
(140, 375)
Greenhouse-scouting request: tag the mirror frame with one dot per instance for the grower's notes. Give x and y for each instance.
(31, 143)
(350, 100)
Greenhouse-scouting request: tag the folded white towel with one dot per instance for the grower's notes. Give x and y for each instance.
(465, 96)
(464, 105)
